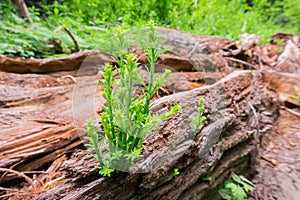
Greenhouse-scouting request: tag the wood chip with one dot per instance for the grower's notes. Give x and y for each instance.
(270, 160)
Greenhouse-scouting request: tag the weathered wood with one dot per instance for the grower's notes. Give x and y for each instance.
(38, 122)
(36, 119)
(36, 114)
(285, 84)
(289, 59)
(202, 52)
(238, 112)
(68, 63)
(98, 58)
(187, 44)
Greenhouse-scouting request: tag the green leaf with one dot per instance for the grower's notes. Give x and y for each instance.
(176, 172)
(236, 178)
(56, 11)
(225, 194)
(237, 191)
(206, 178)
(106, 171)
(173, 111)
(248, 186)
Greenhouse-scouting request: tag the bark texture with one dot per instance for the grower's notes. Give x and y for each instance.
(21, 9)
(68, 63)
(238, 113)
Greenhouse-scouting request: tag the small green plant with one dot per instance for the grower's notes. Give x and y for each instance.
(176, 172)
(236, 188)
(207, 177)
(197, 121)
(126, 118)
(297, 97)
(106, 171)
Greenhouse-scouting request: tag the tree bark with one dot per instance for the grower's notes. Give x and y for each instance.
(238, 114)
(68, 63)
(21, 9)
(36, 114)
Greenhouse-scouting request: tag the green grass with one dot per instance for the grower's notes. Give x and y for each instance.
(93, 21)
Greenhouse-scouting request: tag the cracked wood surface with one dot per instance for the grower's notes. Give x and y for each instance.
(236, 110)
(37, 116)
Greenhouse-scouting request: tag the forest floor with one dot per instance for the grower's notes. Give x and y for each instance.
(279, 163)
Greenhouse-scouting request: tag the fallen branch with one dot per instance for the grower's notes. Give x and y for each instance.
(68, 63)
(239, 61)
(291, 111)
(270, 160)
(21, 174)
(77, 48)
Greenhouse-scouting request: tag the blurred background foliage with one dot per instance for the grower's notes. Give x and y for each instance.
(93, 21)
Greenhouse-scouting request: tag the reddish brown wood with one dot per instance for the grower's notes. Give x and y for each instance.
(68, 63)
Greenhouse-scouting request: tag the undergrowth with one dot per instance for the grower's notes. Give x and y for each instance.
(236, 188)
(92, 22)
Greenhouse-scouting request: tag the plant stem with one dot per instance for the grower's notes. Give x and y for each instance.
(151, 59)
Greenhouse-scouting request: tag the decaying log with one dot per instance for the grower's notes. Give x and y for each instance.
(187, 50)
(289, 59)
(285, 84)
(36, 119)
(238, 113)
(187, 44)
(36, 115)
(95, 58)
(39, 124)
(68, 63)
(200, 51)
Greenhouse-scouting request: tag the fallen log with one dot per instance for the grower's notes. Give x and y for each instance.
(285, 84)
(38, 122)
(202, 52)
(189, 53)
(36, 119)
(238, 113)
(68, 63)
(187, 44)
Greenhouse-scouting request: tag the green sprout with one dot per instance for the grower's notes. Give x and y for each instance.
(176, 172)
(197, 121)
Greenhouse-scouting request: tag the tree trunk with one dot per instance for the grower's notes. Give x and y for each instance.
(21, 9)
